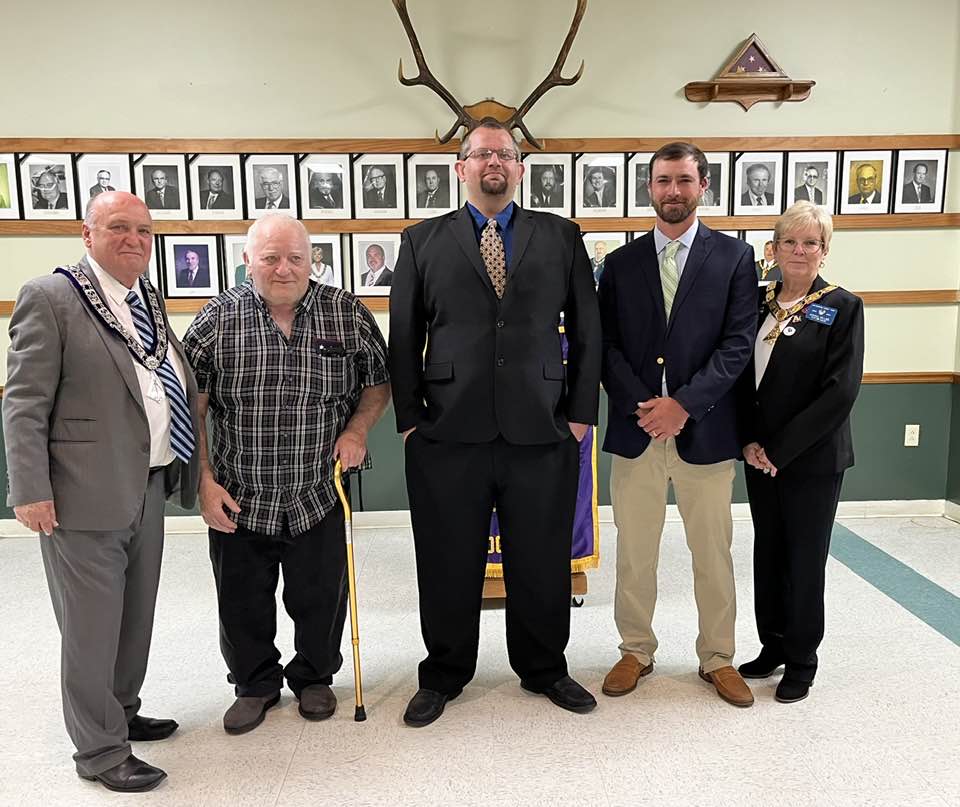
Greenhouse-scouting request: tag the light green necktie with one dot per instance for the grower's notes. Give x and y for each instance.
(669, 275)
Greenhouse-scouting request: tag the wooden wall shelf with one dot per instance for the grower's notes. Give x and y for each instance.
(748, 92)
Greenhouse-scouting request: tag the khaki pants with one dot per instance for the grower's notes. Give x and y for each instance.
(638, 489)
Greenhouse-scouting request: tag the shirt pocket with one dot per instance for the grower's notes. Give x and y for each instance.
(331, 377)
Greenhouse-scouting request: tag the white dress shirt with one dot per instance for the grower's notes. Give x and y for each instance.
(158, 412)
(660, 241)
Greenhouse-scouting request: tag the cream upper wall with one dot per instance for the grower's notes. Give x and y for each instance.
(327, 69)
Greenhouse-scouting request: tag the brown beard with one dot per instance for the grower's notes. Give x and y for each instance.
(675, 216)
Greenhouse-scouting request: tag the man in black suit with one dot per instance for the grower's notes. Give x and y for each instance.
(600, 192)
(193, 275)
(214, 197)
(492, 417)
(376, 191)
(550, 193)
(917, 191)
(678, 313)
(271, 183)
(378, 273)
(325, 192)
(433, 194)
(103, 184)
(162, 196)
(867, 191)
(49, 195)
(757, 195)
(808, 191)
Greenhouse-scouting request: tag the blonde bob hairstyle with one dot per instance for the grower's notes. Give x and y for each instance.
(801, 215)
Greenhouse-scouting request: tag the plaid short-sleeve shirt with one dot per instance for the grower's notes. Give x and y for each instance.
(277, 405)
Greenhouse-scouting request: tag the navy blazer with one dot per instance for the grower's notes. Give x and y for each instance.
(703, 348)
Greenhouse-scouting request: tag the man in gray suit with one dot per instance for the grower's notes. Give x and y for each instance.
(99, 415)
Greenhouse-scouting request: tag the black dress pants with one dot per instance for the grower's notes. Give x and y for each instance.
(793, 518)
(453, 488)
(246, 566)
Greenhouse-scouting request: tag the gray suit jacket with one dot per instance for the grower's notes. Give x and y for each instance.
(74, 423)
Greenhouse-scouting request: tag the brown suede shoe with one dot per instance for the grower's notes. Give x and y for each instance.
(730, 686)
(624, 676)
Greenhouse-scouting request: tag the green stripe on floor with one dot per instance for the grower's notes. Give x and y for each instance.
(923, 598)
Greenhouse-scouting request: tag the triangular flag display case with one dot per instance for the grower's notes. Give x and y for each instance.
(752, 75)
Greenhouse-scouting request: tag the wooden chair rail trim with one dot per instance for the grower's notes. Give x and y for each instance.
(407, 145)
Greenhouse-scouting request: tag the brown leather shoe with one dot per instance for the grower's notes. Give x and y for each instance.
(624, 676)
(729, 685)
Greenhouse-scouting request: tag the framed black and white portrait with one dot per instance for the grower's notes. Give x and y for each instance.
(865, 182)
(921, 178)
(764, 261)
(378, 186)
(598, 246)
(599, 185)
(638, 185)
(9, 199)
(757, 183)
(547, 183)
(325, 191)
(235, 268)
(271, 185)
(100, 173)
(326, 262)
(432, 185)
(812, 177)
(47, 182)
(715, 200)
(215, 187)
(161, 181)
(191, 266)
(374, 259)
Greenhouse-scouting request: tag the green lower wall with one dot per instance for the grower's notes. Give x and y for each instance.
(885, 469)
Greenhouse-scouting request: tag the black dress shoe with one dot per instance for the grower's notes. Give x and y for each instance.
(763, 666)
(144, 729)
(426, 706)
(789, 690)
(130, 776)
(567, 694)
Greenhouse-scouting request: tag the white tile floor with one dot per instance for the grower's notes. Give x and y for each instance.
(881, 727)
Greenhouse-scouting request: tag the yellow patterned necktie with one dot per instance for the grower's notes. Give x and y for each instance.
(491, 250)
(669, 275)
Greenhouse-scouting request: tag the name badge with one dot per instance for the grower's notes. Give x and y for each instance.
(823, 314)
(327, 347)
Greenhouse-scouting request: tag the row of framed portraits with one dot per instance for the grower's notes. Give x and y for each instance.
(387, 186)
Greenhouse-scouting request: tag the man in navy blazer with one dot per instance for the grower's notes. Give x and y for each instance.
(678, 313)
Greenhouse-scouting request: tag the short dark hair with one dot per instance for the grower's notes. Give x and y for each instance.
(486, 123)
(680, 151)
(918, 166)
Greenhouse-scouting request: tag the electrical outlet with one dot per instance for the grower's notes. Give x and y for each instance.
(911, 434)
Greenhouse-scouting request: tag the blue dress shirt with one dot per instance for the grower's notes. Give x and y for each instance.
(504, 225)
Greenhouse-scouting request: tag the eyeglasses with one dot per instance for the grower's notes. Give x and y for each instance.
(808, 247)
(271, 184)
(505, 155)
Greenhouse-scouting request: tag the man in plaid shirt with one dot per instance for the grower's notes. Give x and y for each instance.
(294, 375)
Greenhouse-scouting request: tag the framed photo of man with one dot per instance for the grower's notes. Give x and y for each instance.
(215, 187)
(326, 263)
(378, 186)
(191, 266)
(764, 261)
(161, 181)
(9, 198)
(921, 178)
(374, 259)
(432, 185)
(598, 246)
(547, 184)
(812, 177)
(600, 186)
(715, 200)
(47, 182)
(865, 182)
(757, 189)
(235, 269)
(271, 184)
(325, 191)
(101, 173)
(638, 185)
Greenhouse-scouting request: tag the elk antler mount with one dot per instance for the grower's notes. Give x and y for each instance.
(470, 116)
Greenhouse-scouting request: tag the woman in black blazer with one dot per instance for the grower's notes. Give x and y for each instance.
(794, 402)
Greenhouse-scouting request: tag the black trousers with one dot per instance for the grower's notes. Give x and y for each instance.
(246, 567)
(793, 517)
(453, 488)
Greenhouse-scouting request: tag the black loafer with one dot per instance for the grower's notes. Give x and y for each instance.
(130, 776)
(790, 690)
(567, 694)
(426, 706)
(145, 729)
(763, 666)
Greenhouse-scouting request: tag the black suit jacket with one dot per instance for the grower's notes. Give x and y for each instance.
(60, 204)
(910, 196)
(260, 202)
(746, 200)
(224, 200)
(202, 278)
(440, 199)
(704, 346)
(608, 197)
(855, 199)
(317, 199)
(800, 194)
(493, 367)
(385, 279)
(389, 198)
(801, 412)
(96, 190)
(171, 198)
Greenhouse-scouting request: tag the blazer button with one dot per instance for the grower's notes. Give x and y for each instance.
(500, 361)
(499, 323)
(659, 359)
